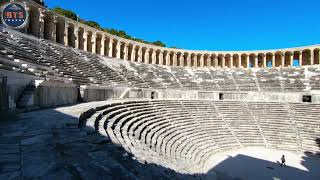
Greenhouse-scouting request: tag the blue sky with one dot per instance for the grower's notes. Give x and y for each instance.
(208, 24)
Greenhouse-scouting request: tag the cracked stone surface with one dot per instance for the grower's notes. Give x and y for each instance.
(42, 145)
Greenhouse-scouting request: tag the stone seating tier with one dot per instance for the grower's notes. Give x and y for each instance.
(174, 131)
(45, 58)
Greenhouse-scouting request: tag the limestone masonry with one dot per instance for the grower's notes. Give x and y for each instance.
(52, 26)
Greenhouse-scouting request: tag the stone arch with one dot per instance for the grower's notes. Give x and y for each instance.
(306, 57)
(227, 60)
(269, 59)
(297, 58)
(233, 60)
(317, 56)
(73, 34)
(221, 60)
(278, 59)
(259, 59)
(80, 37)
(136, 49)
(131, 52)
(109, 45)
(98, 43)
(166, 61)
(114, 47)
(60, 29)
(243, 62)
(180, 61)
(171, 54)
(199, 58)
(122, 50)
(214, 60)
(237, 62)
(186, 57)
(89, 41)
(193, 60)
(287, 58)
(150, 53)
(252, 60)
(206, 60)
(143, 54)
(158, 56)
(34, 21)
(48, 26)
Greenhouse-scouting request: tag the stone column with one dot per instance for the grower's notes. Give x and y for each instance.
(118, 49)
(161, 58)
(300, 58)
(85, 40)
(66, 38)
(168, 59)
(174, 58)
(41, 23)
(94, 42)
(146, 56)
(195, 60)
(231, 60)
(182, 60)
(76, 37)
(240, 61)
(126, 51)
(215, 61)
(248, 61)
(188, 60)
(201, 60)
(291, 59)
(264, 60)
(54, 29)
(103, 45)
(311, 57)
(224, 61)
(208, 59)
(154, 57)
(110, 42)
(140, 54)
(255, 61)
(282, 60)
(133, 54)
(273, 59)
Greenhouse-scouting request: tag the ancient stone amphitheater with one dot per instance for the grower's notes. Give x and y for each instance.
(78, 103)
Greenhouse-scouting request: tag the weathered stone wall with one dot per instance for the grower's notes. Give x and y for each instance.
(100, 93)
(50, 94)
(16, 83)
(236, 96)
(167, 94)
(315, 97)
(4, 101)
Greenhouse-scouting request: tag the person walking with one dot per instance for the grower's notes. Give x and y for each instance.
(283, 161)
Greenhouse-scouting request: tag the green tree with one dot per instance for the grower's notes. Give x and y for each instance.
(159, 43)
(66, 13)
(93, 24)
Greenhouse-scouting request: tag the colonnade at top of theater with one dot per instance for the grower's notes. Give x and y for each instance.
(49, 25)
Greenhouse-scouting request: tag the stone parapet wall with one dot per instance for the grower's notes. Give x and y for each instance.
(230, 96)
(51, 94)
(100, 93)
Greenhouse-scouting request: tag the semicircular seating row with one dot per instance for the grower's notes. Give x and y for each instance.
(183, 134)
